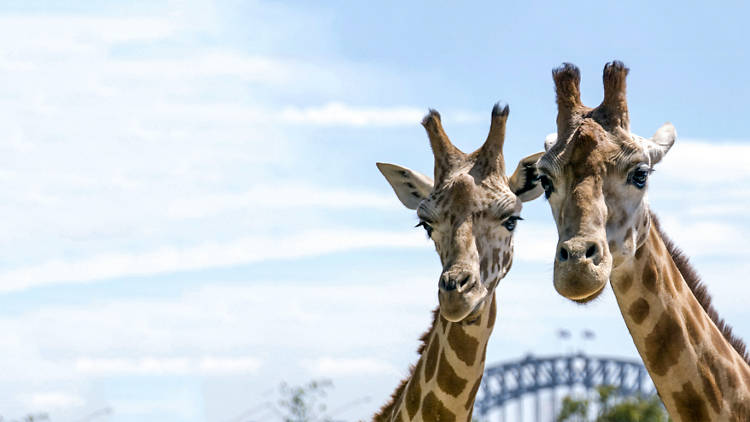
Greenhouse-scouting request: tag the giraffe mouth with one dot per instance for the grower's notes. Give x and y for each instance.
(580, 289)
(459, 304)
(590, 297)
(579, 277)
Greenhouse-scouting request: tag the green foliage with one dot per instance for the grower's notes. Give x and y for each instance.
(613, 409)
(573, 410)
(304, 403)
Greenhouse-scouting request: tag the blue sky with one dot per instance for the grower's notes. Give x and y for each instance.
(193, 214)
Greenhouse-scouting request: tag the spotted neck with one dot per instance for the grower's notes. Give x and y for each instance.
(446, 378)
(696, 370)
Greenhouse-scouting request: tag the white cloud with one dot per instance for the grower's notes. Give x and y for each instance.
(706, 237)
(226, 366)
(702, 162)
(719, 208)
(209, 255)
(301, 195)
(72, 348)
(334, 367)
(152, 366)
(333, 114)
(24, 35)
(172, 408)
(142, 366)
(535, 242)
(52, 400)
(366, 327)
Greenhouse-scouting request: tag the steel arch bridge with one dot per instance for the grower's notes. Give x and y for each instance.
(530, 375)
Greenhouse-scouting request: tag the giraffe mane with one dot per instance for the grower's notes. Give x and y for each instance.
(385, 412)
(698, 288)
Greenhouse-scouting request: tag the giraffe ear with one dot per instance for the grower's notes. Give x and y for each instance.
(525, 180)
(659, 144)
(410, 186)
(549, 141)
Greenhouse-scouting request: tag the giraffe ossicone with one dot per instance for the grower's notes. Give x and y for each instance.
(595, 176)
(470, 212)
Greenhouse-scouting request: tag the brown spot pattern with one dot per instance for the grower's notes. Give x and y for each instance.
(431, 361)
(746, 375)
(676, 278)
(626, 282)
(447, 378)
(710, 361)
(719, 342)
(400, 417)
(493, 313)
(463, 344)
(740, 412)
(710, 389)
(443, 323)
(495, 259)
(649, 276)
(639, 252)
(413, 393)
(689, 404)
(697, 311)
(638, 310)
(483, 268)
(732, 379)
(691, 324)
(434, 410)
(664, 344)
(472, 394)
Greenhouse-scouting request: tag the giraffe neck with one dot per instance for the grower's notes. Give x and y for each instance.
(697, 372)
(445, 380)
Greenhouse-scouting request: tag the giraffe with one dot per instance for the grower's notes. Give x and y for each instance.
(594, 174)
(470, 212)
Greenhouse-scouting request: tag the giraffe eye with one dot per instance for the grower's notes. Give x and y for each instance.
(511, 222)
(546, 185)
(427, 227)
(639, 176)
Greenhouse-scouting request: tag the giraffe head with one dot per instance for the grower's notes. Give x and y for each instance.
(594, 174)
(470, 212)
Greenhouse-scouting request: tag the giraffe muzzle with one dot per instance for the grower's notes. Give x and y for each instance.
(460, 282)
(460, 293)
(582, 268)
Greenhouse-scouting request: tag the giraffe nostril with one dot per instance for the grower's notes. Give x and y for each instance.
(563, 254)
(464, 280)
(447, 283)
(591, 251)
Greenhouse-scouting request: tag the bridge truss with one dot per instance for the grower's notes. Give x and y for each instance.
(512, 381)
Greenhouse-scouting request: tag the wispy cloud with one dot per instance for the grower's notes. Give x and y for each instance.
(52, 400)
(329, 366)
(535, 242)
(209, 255)
(150, 366)
(706, 236)
(702, 162)
(73, 34)
(298, 195)
(333, 114)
